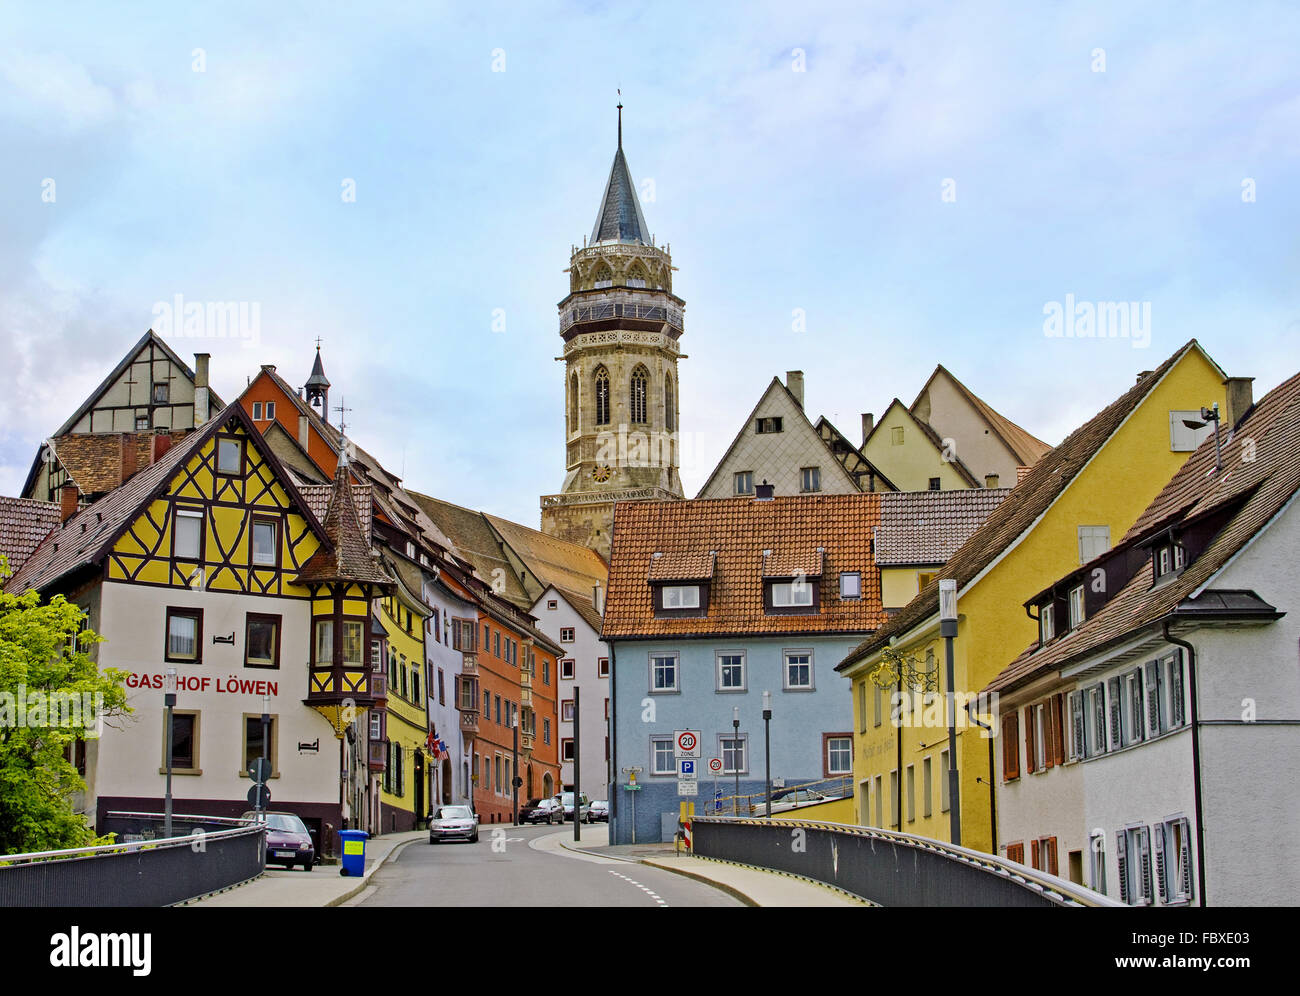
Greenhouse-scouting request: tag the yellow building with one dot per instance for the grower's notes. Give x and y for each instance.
(915, 457)
(1069, 508)
(403, 797)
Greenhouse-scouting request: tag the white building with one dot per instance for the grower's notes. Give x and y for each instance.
(450, 773)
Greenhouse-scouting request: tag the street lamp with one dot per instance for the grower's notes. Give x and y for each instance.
(169, 701)
(514, 769)
(767, 747)
(948, 630)
(735, 758)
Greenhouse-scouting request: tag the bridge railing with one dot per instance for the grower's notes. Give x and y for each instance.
(160, 872)
(883, 867)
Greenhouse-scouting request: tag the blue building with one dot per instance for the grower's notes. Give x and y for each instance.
(712, 603)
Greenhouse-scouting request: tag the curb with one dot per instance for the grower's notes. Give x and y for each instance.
(748, 900)
(569, 846)
(364, 881)
(730, 890)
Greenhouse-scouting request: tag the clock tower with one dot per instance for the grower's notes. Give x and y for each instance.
(621, 324)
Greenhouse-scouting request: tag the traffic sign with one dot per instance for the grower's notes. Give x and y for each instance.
(259, 797)
(260, 769)
(686, 743)
(715, 764)
(685, 769)
(687, 786)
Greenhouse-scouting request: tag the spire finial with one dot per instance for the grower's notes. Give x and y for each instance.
(318, 344)
(620, 118)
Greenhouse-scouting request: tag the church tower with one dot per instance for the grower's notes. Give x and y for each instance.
(620, 324)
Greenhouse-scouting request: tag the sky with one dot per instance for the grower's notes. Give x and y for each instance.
(857, 191)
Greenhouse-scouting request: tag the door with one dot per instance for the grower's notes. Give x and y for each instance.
(420, 811)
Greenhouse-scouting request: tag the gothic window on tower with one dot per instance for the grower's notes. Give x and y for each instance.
(604, 277)
(602, 396)
(669, 418)
(573, 404)
(636, 277)
(639, 382)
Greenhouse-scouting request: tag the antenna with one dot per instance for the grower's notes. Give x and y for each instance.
(343, 410)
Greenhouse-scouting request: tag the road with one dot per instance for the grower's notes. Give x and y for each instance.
(525, 866)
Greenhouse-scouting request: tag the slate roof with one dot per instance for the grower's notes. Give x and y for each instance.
(1017, 513)
(919, 528)
(23, 524)
(1259, 488)
(739, 530)
(619, 218)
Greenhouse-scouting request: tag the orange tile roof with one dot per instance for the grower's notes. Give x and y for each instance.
(794, 563)
(739, 530)
(681, 566)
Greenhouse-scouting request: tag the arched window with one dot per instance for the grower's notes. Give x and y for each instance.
(604, 276)
(640, 384)
(636, 276)
(573, 403)
(602, 396)
(669, 417)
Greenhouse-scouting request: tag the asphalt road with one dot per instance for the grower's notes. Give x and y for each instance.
(525, 866)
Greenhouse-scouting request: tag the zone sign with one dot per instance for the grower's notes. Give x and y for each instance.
(686, 743)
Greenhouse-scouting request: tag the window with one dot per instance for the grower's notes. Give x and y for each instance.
(1046, 622)
(185, 743)
(798, 672)
(1016, 852)
(663, 672)
(253, 744)
(911, 793)
(1097, 861)
(927, 786)
(566, 634)
(1035, 738)
(487, 638)
(734, 755)
(325, 641)
(839, 754)
(415, 684)
(896, 436)
(792, 594)
(602, 667)
(935, 484)
(1043, 855)
(1174, 860)
(265, 547)
(257, 411)
(810, 479)
(681, 596)
(1076, 607)
(637, 395)
(184, 636)
(552, 604)
(401, 678)
(161, 393)
(496, 644)
(566, 668)
(566, 749)
(376, 725)
(670, 412)
(142, 423)
(1183, 438)
(546, 671)
(602, 395)
(270, 410)
(566, 711)
(230, 456)
(943, 782)
(1131, 704)
(731, 670)
(1093, 542)
(546, 731)
(187, 543)
(1133, 864)
(662, 759)
(924, 578)
(850, 584)
(262, 640)
(766, 425)
(496, 701)
(877, 695)
(745, 482)
(1164, 694)
(496, 774)
(442, 688)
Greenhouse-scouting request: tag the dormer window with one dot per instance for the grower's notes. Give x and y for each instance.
(681, 596)
(1046, 623)
(680, 582)
(1169, 559)
(789, 594)
(1076, 607)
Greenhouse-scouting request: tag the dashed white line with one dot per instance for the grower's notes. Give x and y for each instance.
(648, 891)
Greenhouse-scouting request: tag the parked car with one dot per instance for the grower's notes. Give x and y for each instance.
(541, 811)
(287, 841)
(584, 806)
(453, 823)
(783, 799)
(599, 812)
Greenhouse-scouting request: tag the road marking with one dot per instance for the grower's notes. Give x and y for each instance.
(648, 891)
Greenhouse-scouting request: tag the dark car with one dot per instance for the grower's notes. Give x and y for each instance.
(541, 811)
(599, 811)
(453, 823)
(287, 841)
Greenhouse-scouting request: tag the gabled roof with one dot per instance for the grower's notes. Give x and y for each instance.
(1025, 447)
(919, 528)
(23, 524)
(689, 566)
(928, 431)
(87, 537)
(739, 530)
(1020, 510)
(107, 382)
(619, 218)
(1260, 488)
(843, 440)
(578, 603)
(478, 544)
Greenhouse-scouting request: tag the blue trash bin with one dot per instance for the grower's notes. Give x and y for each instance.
(354, 852)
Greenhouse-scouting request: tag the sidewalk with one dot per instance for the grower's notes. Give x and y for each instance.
(752, 886)
(323, 886)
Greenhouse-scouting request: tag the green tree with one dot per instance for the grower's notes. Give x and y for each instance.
(47, 678)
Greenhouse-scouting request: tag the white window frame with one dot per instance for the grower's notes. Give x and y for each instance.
(1174, 871)
(1097, 860)
(1046, 622)
(1076, 607)
(830, 752)
(1183, 439)
(571, 637)
(189, 515)
(743, 740)
(785, 670)
(656, 754)
(681, 596)
(810, 479)
(274, 526)
(257, 411)
(676, 685)
(572, 668)
(784, 594)
(223, 445)
(718, 666)
(743, 482)
(1133, 863)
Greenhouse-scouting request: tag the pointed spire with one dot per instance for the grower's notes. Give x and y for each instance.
(619, 218)
(345, 555)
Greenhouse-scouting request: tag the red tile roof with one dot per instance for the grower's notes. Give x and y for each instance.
(681, 566)
(23, 524)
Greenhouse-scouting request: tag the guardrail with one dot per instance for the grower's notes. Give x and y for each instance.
(886, 868)
(159, 872)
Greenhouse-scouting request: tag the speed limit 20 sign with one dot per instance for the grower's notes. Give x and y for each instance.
(715, 764)
(686, 743)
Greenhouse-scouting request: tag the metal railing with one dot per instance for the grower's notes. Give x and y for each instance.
(883, 867)
(753, 803)
(159, 872)
(620, 309)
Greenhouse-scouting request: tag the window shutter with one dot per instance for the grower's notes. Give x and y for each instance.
(1185, 853)
(1078, 743)
(1050, 733)
(1030, 753)
(1135, 703)
(1153, 697)
(1176, 691)
(1049, 846)
(1144, 863)
(1121, 863)
(1010, 745)
(1099, 721)
(1057, 705)
(1113, 689)
(1016, 852)
(1035, 856)
(1160, 863)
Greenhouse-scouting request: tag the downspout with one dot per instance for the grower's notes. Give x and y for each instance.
(1194, 712)
(612, 773)
(993, 800)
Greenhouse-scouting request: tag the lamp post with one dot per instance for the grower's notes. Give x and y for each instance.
(577, 767)
(767, 748)
(169, 701)
(266, 740)
(948, 630)
(514, 768)
(735, 747)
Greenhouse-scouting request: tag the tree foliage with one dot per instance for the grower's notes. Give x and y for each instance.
(45, 663)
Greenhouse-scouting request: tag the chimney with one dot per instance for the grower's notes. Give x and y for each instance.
(68, 498)
(598, 597)
(162, 442)
(764, 491)
(1143, 375)
(129, 461)
(202, 399)
(794, 384)
(269, 367)
(1240, 397)
(868, 423)
(990, 480)
(303, 435)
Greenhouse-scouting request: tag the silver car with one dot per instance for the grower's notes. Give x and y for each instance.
(453, 823)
